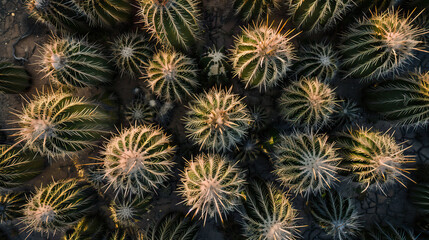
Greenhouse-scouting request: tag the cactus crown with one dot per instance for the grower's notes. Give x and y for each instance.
(127, 211)
(138, 112)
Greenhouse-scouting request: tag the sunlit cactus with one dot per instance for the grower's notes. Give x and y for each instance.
(379, 45)
(215, 65)
(420, 197)
(404, 100)
(138, 160)
(127, 210)
(105, 13)
(372, 158)
(173, 226)
(172, 76)
(318, 15)
(249, 149)
(172, 22)
(347, 112)
(306, 163)
(217, 120)
(259, 116)
(138, 112)
(256, 10)
(390, 232)
(262, 55)
(268, 214)
(13, 79)
(11, 205)
(58, 206)
(89, 228)
(318, 60)
(131, 52)
(308, 103)
(212, 186)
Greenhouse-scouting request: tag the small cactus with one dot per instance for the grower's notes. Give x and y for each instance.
(249, 149)
(336, 215)
(217, 120)
(256, 10)
(173, 226)
(89, 228)
(105, 13)
(390, 232)
(13, 79)
(128, 211)
(138, 160)
(262, 56)
(172, 76)
(306, 163)
(215, 65)
(269, 214)
(420, 197)
(260, 118)
(308, 103)
(11, 206)
(347, 113)
(139, 113)
(211, 185)
(73, 62)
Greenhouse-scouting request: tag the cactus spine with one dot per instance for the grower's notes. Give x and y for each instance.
(215, 65)
(11, 206)
(256, 10)
(105, 13)
(347, 112)
(139, 113)
(173, 226)
(13, 79)
(249, 149)
(128, 211)
(420, 197)
(390, 232)
(88, 228)
(259, 116)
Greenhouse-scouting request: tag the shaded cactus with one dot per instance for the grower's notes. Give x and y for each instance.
(378, 5)
(262, 56)
(58, 206)
(256, 10)
(390, 232)
(308, 103)
(138, 112)
(337, 215)
(127, 210)
(269, 214)
(172, 76)
(420, 197)
(215, 65)
(249, 149)
(11, 205)
(211, 185)
(138, 160)
(105, 13)
(379, 45)
(259, 116)
(172, 22)
(306, 163)
(13, 79)
(88, 228)
(125, 234)
(217, 120)
(347, 112)
(173, 226)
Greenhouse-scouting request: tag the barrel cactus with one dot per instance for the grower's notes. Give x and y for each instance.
(268, 214)
(172, 76)
(249, 149)
(336, 215)
(11, 206)
(390, 232)
(420, 197)
(262, 55)
(127, 210)
(256, 10)
(347, 112)
(217, 120)
(215, 65)
(58, 206)
(259, 116)
(173, 226)
(308, 104)
(88, 228)
(306, 163)
(211, 185)
(138, 112)
(138, 160)
(13, 79)
(379, 45)
(105, 13)
(173, 22)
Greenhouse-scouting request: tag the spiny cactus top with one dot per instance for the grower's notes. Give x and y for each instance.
(105, 13)
(172, 22)
(11, 205)
(259, 116)
(373, 159)
(262, 55)
(404, 100)
(138, 112)
(74, 62)
(308, 103)
(58, 124)
(269, 215)
(211, 185)
(13, 79)
(390, 232)
(215, 65)
(379, 45)
(217, 120)
(248, 150)
(306, 163)
(128, 210)
(348, 112)
(58, 206)
(173, 226)
(256, 10)
(420, 197)
(138, 160)
(172, 76)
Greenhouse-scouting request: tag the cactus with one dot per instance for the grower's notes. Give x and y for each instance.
(13, 79)
(390, 232)
(259, 116)
(139, 113)
(249, 149)
(173, 22)
(211, 185)
(215, 65)
(372, 158)
(318, 60)
(262, 56)
(172, 76)
(269, 214)
(318, 15)
(378, 5)
(128, 211)
(306, 163)
(379, 45)
(404, 100)
(58, 206)
(336, 215)
(308, 103)
(347, 112)
(105, 13)
(89, 228)
(173, 226)
(420, 197)
(256, 10)
(131, 52)
(125, 234)
(217, 120)
(11, 206)
(138, 160)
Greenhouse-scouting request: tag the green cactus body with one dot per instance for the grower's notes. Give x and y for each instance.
(336, 215)
(172, 22)
(404, 100)
(256, 10)
(215, 65)
(89, 228)
(390, 232)
(13, 79)
(249, 149)
(420, 197)
(308, 104)
(379, 45)
(172, 76)
(269, 214)
(73, 62)
(138, 160)
(173, 226)
(262, 56)
(58, 206)
(105, 13)
(128, 211)
(125, 234)
(347, 113)
(139, 113)
(259, 116)
(211, 185)
(11, 205)
(217, 120)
